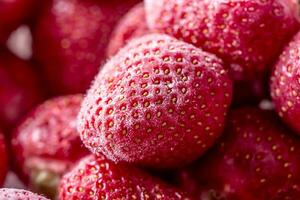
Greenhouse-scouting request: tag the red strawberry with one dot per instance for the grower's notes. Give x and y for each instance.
(100, 178)
(132, 25)
(15, 194)
(159, 103)
(285, 84)
(46, 144)
(246, 34)
(3, 160)
(13, 14)
(256, 159)
(19, 89)
(70, 40)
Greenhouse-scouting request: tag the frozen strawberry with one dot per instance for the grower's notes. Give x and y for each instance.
(70, 40)
(159, 103)
(100, 178)
(3, 160)
(246, 34)
(19, 89)
(13, 14)
(132, 25)
(16, 194)
(256, 159)
(285, 84)
(46, 144)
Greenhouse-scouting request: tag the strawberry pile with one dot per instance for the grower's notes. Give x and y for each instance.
(150, 100)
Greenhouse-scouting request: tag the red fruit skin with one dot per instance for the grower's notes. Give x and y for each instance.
(70, 40)
(3, 160)
(159, 103)
(19, 89)
(285, 85)
(256, 159)
(16, 194)
(240, 32)
(99, 178)
(47, 139)
(13, 14)
(132, 25)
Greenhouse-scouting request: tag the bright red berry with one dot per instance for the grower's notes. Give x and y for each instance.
(246, 34)
(46, 144)
(15, 194)
(159, 103)
(70, 40)
(132, 25)
(3, 160)
(285, 84)
(256, 159)
(100, 178)
(13, 14)
(19, 89)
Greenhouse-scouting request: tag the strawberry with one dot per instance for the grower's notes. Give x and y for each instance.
(13, 14)
(3, 160)
(16, 194)
(285, 84)
(241, 32)
(70, 39)
(158, 103)
(19, 89)
(100, 178)
(46, 144)
(256, 159)
(132, 25)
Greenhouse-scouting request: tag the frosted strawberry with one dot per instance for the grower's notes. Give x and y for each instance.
(159, 103)
(19, 89)
(99, 178)
(46, 144)
(285, 84)
(16, 194)
(3, 159)
(257, 159)
(241, 32)
(131, 26)
(70, 40)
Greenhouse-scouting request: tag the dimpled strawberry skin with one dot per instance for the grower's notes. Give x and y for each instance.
(47, 139)
(241, 32)
(285, 84)
(158, 103)
(100, 178)
(19, 89)
(70, 39)
(260, 157)
(132, 25)
(16, 194)
(3, 159)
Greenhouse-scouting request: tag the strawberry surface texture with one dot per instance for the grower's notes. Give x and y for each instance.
(15, 194)
(285, 84)
(46, 144)
(241, 32)
(99, 178)
(159, 103)
(256, 159)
